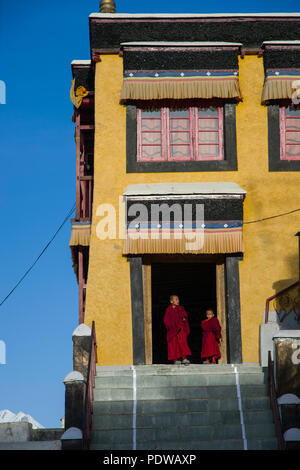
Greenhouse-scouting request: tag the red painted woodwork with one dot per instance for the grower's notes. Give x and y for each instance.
(89, 394)
(289, 121)
(84, 181)
(186, 134)
(84, 140)
(80, 285)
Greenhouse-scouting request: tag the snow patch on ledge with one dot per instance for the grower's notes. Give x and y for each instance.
(82, 330)
(72, 433)
(74, 376)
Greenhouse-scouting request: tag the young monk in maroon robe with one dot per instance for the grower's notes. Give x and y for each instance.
(176, 321)
(211, 335)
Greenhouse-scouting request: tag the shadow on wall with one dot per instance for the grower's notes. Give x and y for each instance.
(284, 309)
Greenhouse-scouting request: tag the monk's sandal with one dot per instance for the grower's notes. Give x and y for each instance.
(186, 362)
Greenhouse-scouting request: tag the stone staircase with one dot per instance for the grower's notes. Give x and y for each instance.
(168, 407)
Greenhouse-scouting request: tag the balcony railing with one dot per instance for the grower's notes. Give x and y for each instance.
(84, 197)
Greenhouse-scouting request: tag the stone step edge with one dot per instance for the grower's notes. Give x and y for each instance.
(139, 400)
(166, 386)
(174, 444)
(263, 438)
(177, 387)
(203, 374)
(154, 366)
(185, 413)
(182, 369)
(188, 426)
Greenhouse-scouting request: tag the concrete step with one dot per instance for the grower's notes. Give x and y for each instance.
(157, 420)
(228, 444)
(183, 433)
(169, 393)
(170, 369)
(183, 380)
(180, 406)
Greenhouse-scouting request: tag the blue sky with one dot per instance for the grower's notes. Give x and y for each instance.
(38, 41)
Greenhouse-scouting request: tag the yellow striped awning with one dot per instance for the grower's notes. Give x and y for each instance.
(80, 234)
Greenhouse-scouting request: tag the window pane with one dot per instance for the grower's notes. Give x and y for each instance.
(293, 137)
(206, 151)
(207, 124)
(151, 124)
(293, 123)
(292, 111)
(208, 133)
(180, 151)
(208, 112)
(209, 137)
(151, 114)
(151, 152)
(151, 138)
(179, 124)
(180, 138)
(179, 120)
(292, 151)
(179, 113)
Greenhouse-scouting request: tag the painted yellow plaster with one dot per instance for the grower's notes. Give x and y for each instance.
(271, 251)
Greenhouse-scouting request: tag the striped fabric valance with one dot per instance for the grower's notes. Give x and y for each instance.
(211, 238)
(282, 71)
(180, 73)
(81, 233)
(188, 223)
(281, 84)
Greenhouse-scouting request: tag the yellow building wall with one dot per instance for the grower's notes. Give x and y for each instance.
(271, 251)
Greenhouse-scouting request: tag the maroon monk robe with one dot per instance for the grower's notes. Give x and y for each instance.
(211, 331)
(177, 332)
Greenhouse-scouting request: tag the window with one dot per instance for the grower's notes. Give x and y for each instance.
(176, 135)
(289, 133)
(193, 135)
(284, 137)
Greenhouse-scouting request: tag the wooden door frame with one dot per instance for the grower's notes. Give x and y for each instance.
(227, 295)
(221, 309)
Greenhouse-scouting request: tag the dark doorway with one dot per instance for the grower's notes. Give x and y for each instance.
(195, 285)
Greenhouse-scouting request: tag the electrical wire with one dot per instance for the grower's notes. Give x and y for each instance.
(272, 217)
(41, 253)
(67, 218)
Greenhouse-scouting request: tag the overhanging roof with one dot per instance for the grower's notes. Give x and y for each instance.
(214, 188)
(193, 15)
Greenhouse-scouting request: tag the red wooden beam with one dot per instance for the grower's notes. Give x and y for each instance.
(77, 141)
(80, 284)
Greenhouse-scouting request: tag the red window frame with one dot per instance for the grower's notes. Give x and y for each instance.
(283, 117)
(169, 132)
(220, 143)
(193, 136)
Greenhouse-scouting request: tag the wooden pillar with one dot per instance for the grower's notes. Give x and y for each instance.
(137, 308)
(234, 336)
(221, 309)
(77, 141)
(147, 312)
(80, 284)
(298, 235)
